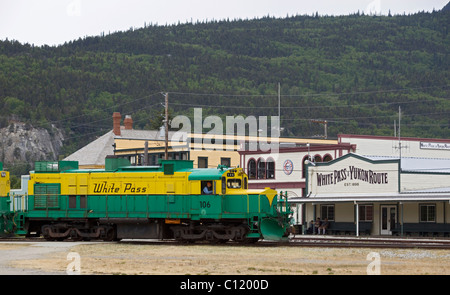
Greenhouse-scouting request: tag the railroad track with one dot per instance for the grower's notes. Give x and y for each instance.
(332, 241)
(307, 241)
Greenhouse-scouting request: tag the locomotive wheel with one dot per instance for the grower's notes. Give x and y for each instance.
(46, 233)
(110, 235)
(74, 235)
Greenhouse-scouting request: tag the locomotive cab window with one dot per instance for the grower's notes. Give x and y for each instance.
(207, 187)
(234, 182)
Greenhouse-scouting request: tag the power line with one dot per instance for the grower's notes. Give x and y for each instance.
(89, 123)
(93, 124)
(370, 117)
(302, 107)
(311, 94)
(134, 101)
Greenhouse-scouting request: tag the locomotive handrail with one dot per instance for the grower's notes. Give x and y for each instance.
(284, 203)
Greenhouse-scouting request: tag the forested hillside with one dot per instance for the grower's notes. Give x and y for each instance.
(353, 71)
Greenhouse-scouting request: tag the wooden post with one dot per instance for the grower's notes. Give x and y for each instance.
(146, 153)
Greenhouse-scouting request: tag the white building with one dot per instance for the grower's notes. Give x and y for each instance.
(388, 146)
(285, 170)
(367, 186)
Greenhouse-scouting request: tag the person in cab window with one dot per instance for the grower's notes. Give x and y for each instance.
(207, 190)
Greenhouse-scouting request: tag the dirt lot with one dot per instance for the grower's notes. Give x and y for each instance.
(133, 258)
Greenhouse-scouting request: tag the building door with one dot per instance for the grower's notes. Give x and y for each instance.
(388, 219)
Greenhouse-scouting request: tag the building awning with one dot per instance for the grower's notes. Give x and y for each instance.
(371, 198)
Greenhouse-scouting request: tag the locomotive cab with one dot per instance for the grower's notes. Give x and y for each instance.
(230, 181)
(234, 181)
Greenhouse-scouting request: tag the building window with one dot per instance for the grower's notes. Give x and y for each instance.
(327, 158)
(270, 170)
(225, 161)
(427, 212)
(317, 159)
(365, 212)
(251, 169)
(261, 169)
(202, 162)
(327, 211)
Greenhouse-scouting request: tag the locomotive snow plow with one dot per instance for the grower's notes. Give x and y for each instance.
(271, 229)
(277, 227)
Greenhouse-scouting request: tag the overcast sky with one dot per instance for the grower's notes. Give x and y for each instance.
(54, 22)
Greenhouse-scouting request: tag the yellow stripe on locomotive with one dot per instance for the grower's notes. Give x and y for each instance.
(146, 181)
(4, 182)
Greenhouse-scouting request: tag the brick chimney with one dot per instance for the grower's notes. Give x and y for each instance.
(128, 122)
(116, 123)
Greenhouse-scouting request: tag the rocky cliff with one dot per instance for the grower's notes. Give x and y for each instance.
(21, 142)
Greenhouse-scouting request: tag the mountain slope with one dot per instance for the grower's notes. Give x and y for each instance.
(353, 71)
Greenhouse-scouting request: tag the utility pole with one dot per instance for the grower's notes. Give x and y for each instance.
(279, 103)
(280, 129)
(399, 138)
(146, 153)
(395, 128)
(166, 127)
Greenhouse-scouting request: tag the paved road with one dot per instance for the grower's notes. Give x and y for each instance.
(32, 250)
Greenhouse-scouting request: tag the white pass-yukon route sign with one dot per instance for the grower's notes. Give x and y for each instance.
(353, 174)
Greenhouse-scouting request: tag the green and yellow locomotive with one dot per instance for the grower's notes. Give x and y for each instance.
(170, 201)
(6, 214)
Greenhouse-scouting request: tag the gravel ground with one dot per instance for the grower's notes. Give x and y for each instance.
(29, 255)
(146, 257)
